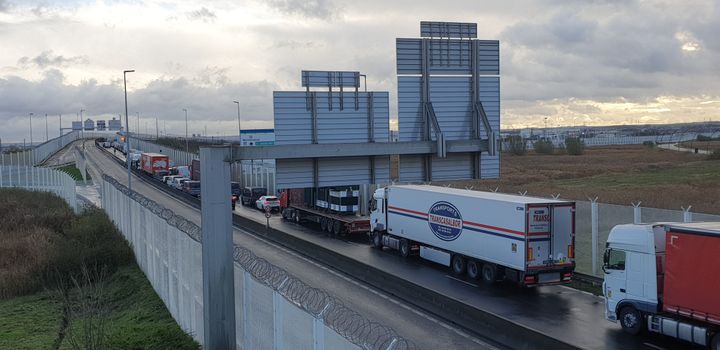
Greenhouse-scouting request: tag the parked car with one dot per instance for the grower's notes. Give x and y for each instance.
(178, 182)
(251, 194)
(191, 187)
(268, 201)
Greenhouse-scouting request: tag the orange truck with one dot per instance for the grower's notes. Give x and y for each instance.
(154, 164)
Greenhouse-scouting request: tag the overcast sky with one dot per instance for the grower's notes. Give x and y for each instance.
(574, 62)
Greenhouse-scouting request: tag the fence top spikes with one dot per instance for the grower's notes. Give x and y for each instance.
(555, 196)
(522, 193)
(686, 209)
(636, 204)
(592, 200)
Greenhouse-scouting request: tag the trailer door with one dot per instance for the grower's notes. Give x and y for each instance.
(538, 235)
(562, 232)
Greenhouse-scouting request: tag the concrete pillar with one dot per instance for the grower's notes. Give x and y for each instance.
(217, 249)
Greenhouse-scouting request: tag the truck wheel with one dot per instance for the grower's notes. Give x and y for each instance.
(377, 240)
(458, 264)
(330, 224)
(473, 269)
(489, 273)
(404, 248)
(323, 224)
(337, 228)
(631, 320)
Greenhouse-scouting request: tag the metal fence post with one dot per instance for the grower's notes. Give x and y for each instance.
(687, 214)
(217, 249)
(594, 220)
(637, 214)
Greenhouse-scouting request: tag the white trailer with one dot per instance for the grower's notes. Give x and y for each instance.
(487, 235)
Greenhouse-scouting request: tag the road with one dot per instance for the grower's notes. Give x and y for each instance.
(564, 313)
(409, 322)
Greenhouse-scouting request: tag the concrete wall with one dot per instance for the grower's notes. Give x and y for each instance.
(274, 310)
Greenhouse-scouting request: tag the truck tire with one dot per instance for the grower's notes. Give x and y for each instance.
(323, 224)
(404, 248)
(377, 240)
(631, 320)
(489, 273)
(337, 228)
(296, 216)
(330, 225)
(473, 269)
(457, 263)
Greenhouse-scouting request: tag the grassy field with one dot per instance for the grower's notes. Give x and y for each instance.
(622, 174)
(704, 145)
(70, 281)
(74, 172)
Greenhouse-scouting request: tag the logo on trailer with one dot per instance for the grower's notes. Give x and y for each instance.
(445, 221)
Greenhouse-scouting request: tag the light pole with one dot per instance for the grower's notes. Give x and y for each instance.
(127, 128)
(187, 142)
(60, 115)
(31, 140)
(46, 129)
(137, 129)
(82, 124)
(239, 128)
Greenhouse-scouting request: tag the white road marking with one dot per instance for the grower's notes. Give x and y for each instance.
(653, 346)
(459, 280)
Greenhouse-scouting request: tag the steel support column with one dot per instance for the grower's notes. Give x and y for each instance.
(217, 249)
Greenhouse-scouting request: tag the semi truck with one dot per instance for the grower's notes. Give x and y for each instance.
(485, 235)
(333, 208)
(154, 164)
(663, 278)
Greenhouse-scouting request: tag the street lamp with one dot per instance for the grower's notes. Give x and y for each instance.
(31, 140)
(137, 123)
(46, 129)
(187, 143)
(127, 127)
(82, 124)
(239, 128)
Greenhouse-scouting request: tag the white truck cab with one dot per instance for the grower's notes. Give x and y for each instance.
(378, 208)
(631, 277)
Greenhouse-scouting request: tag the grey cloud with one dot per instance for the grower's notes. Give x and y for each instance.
(203, 14)
(315, 9)
(4, 5)
(48, 59)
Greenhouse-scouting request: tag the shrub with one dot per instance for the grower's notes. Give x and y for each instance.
(517, 145)
(649, 144)
(544, 147)
(715, 155)
(574, 146)
(704, 138)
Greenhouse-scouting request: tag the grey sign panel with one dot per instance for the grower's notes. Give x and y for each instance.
(293, 120)
(448, 56)
(448, 30)
(298, 173)
(313, 78)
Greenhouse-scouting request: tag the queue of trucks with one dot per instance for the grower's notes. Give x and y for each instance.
(659, 278)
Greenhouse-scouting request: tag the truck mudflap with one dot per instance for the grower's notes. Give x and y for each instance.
(557, 274)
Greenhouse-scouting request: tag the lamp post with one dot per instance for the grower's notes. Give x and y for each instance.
(31, 140)
(127, 127)
(60, 115)
(46, 129)
(187, 142)
(137, 129)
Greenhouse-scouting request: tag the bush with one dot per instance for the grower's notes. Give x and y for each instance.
(517, 145)
(649, 144)
(704, 138)
(715, 155)
(574, 146)
(544, 147)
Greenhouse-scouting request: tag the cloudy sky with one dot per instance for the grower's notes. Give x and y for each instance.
(575, 62)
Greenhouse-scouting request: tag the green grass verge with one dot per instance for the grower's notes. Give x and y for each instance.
(136, 318)
(74, 172)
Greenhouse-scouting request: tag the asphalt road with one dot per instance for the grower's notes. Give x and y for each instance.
(427, 331)
(564, 313)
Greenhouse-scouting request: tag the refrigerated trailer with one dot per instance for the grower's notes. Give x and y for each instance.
(485, 235)
(663, 278)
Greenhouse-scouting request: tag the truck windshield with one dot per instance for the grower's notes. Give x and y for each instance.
(614, 259)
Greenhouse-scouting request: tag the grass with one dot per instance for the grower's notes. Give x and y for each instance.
(703, 145)
(74, 172)
(136, 318)
(70, 281)
(619, 175)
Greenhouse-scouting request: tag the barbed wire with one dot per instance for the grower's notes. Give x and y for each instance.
(350, 324)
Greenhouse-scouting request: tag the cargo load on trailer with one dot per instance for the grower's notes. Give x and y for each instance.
(663, 278)
(333, 209)
(485, 235)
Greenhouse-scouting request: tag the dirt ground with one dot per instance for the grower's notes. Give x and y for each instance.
(620, 175)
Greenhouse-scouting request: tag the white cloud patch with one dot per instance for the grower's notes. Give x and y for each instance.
(202, 14)
(315, 9)
(49, 59)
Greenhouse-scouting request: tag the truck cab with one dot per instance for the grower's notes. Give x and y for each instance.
(378, 211)
(631, 264)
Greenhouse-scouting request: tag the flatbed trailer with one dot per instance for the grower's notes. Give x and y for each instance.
(332, 223)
